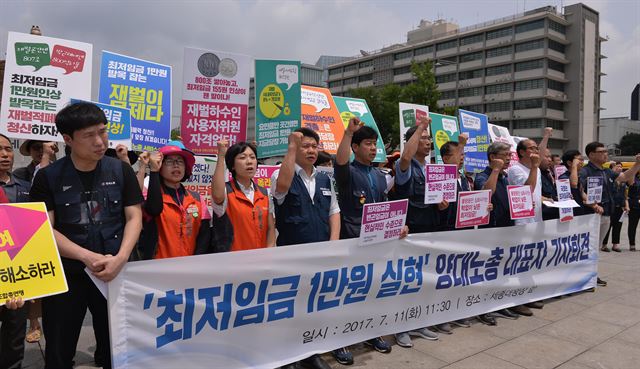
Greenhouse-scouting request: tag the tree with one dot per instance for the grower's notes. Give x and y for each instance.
(630, 144)
(175, 134)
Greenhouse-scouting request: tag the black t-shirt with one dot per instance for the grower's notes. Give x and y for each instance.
(131, 193)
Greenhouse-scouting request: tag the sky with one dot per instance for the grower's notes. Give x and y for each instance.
(158, 30)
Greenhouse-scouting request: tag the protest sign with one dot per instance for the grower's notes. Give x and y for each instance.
(520, 202)
(475, 151)
(41, 75)
(559, 170)
(215, 99)
(351, 107)
(473, 208)
(444, 128)
(30, 265)
(440, 183)
(118, 124)
(200, 179)
(145, 88)
(383, 221)
(409, 114)
(263, 175)
(224, 310)
(501, 134)
(563, 188)
(277, 88)
(594, 189)
(319, 113)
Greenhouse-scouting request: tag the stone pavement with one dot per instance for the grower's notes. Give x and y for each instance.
(596, 330)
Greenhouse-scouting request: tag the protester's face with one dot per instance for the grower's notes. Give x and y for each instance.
(580, 160)
(531, 147)
(424, 145)
(173, 168)
(365, 152)
(35, 151)
(545, 163)
(455, 158)
(599, 156)
(556, 160)
(307, 153)
(245, 164)
(89, 143)
(6, 155)
(505, 156)
(617, 168)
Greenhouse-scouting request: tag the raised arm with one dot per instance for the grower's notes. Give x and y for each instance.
(411, 146)
(218, 192)
(344, 149)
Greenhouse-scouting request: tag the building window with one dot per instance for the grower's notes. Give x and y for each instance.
(335, 84)
(555, 124)
(530, 45)
(498, 89)
(555, 85)
(499, 106)
(527, 123)
(365, 77)
(450, 94)
(531, 84)
(366, 63)
(333, 72)
(528, 65)
(557, 27)
(423, 50)
(471, 57)
(470, 74)
(403, 55)
(350, 67)
(552, 64)
(555, 105)
(446, 45)
(498, 51)
(471, 39)
(465, 92)
(553, 45)
(530, 26)
(350, 81)
(451, 77)
(402, 70)
(499, 69)
(502, 32)
(527, 104)
(477, 108)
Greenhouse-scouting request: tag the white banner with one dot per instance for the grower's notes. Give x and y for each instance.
(265, 308)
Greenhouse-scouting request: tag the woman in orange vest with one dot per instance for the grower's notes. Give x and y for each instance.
(178, 213)
(243, 219)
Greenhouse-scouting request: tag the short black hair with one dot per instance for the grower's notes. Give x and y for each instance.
(8, 139)
(364, 133)
(235, 150)
(323, 158)
(618, 163)
(448, 147)
(409, 133)
(592, 146)
(79, 116)
(569, 155)
(308, 132)
(553, 156)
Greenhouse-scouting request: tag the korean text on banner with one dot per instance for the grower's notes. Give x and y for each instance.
(563, 187)
(383, 221)
(473, 208)
(501, 134)
(118, 124)
(440, 183)
(224, 310)
(475, 152)
(409, 114)
(319, 113)
(41, 75)
(349, 108)
(444, 128)
(215, 99)
(520, 202)
(594, 189)
(277, 88)
(30, 265)
(145, 88)
(200, 180)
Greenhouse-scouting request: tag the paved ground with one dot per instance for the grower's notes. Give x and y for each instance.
(588, 330)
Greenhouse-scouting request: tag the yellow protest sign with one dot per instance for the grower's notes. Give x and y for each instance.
(30, 265)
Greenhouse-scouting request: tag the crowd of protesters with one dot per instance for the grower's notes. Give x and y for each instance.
(104, 214)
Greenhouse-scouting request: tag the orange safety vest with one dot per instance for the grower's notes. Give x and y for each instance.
(250, 221)
(178, 226)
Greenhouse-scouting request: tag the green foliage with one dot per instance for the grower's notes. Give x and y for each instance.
(630, 144)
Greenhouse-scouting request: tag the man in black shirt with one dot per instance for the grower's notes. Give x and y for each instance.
(94, 205)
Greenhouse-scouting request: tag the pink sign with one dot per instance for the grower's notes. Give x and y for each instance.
(17, 225)
(473, 208)
(383, 221)
(263, 175)
(440, 183)
(520, 202)
(205, 123)
(68, 58)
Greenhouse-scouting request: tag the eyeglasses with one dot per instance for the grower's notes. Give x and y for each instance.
(173, 162)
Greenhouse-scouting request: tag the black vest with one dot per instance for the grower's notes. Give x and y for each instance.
(351, 204)
(421, 217)
(300, 220)
(92, 220)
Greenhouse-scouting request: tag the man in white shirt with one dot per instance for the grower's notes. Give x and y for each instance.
(527, 172)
